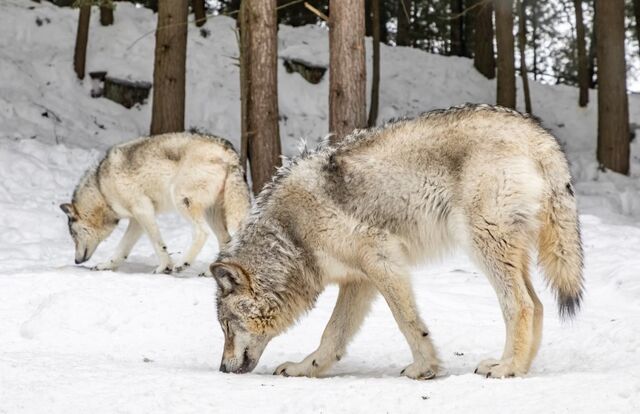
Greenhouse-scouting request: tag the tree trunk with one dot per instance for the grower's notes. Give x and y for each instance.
(583, 71)
(167, 112)
(484, 58)
(347, 69)
(403, 34)
(199, 12)
(534, 35)
(591, 69)
(457, 28)
(375, 76)
(469, 30)
(522, 40)
(259, 106)
(106, 15)
(636, 12)
(82, 37)
(613, 110)
(506, 93)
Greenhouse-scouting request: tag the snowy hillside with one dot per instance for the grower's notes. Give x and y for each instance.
(73, 340)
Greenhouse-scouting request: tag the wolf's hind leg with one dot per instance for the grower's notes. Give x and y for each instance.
(130, 238)
(505, 260)
(353, 304)
(199, 238)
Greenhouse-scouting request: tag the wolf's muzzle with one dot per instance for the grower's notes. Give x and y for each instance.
(84, 258)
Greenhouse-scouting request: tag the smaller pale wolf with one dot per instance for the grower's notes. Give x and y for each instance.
(199, 176)
(363, 212)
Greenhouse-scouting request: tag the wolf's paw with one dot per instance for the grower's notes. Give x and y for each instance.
(179, 268)
(164, 268)
(420, 371)
(298, 369)
(495, 368)
(110, 265)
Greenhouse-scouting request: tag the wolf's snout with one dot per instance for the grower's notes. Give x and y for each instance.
(223, 368)
(83, 259)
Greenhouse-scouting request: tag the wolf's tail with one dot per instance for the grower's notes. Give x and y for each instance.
(237, 200)
(559, 244)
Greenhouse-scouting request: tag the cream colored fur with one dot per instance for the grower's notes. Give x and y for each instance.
(195, 175)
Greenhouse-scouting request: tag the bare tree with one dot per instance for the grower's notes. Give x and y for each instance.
(506, 94)
(82, 37)
(375, 76)
(347, 70)
(484, 58)
(167, 113)
(613, 110)
(403, 31)
(583, 70)
(636, 13)
(259, 89)
(522, 42)
(199, 11)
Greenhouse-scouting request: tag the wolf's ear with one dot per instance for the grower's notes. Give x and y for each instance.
(69, 210)
(228, 276)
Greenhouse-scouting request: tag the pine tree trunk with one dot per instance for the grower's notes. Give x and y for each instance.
(457, 28)
(506, 93)
(199, 12)
(583, 73)
(484, 58)
(106, 15)
(375, 76)
(403, 35)
(522, 40)
(259, 67)
(636, 12)
(613, 110)
(82, 37)
(347, 69)
(167, 113)
(591, 66)
(469, 29)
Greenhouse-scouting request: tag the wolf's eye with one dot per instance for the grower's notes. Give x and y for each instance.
(225, 327)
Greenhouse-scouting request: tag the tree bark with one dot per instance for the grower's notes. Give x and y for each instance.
(375, 76)
(522, 40)
(259, 67)
(506, 92)
(591, 69)
(347, 70)
(613, 110)
(82, 37)
(403, 34)
(457, 28)
(484, 58)
(106, 15)
(167, 113)
(199, 12)
(636, 12)
(583, 70)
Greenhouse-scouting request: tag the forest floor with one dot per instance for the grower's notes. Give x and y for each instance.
(76, 340)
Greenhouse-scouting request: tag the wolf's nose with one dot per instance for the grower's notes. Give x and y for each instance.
(223, 368)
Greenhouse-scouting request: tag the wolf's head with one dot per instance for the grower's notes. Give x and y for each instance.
(91, 220)
(249, 321)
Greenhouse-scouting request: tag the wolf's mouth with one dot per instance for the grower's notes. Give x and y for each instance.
(247, 364)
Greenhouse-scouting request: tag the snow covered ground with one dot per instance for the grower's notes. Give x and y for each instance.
(74, 340)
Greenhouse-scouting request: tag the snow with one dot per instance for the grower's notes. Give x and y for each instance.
(74, 340)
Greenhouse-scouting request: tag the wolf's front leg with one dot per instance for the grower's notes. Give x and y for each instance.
(131, 236)
(395, 286)
(145, 215)
(354, 302)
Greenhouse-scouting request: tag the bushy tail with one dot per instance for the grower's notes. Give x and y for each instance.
(237, 200)
(560, 247)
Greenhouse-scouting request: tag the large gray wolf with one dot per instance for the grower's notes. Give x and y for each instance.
(198, 176)
(361, 213)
